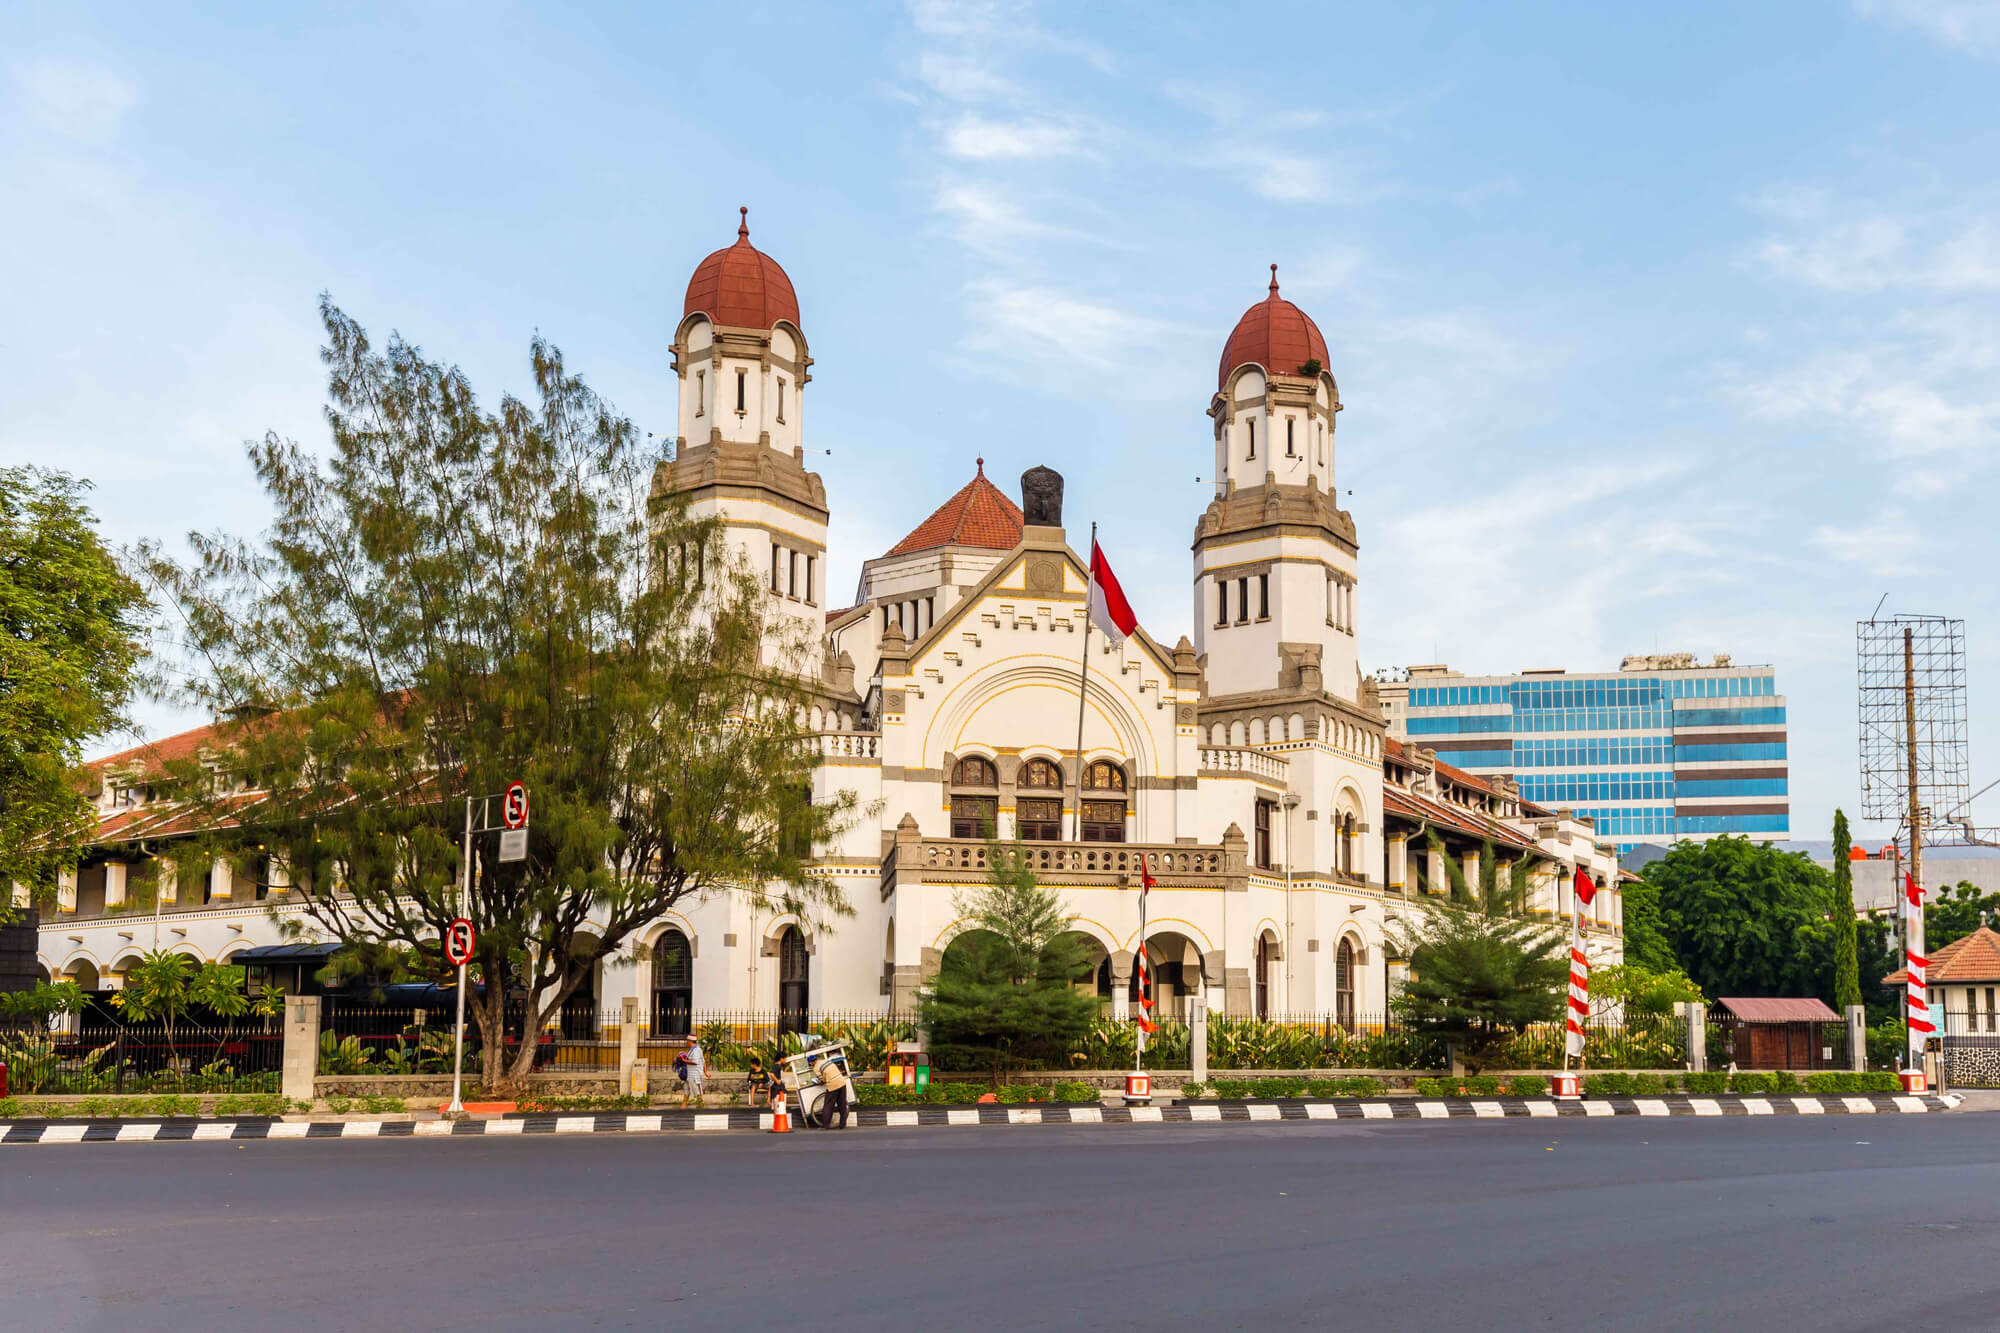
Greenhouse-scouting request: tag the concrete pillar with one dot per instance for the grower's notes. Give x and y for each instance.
(168, 883)
(1857, 1038)
(1121, 982)
(221, 880)
(1198, 1037)
(1399, 865)
(114, 884)
(301, 1046)
(1697, 1038)
(22, 896)
(281, 875)
(66, 889)
(628, 1041)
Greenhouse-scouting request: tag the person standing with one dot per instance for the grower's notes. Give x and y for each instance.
(694, 1064)
(834, 1076)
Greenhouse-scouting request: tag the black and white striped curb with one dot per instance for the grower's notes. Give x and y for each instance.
(889, 1117)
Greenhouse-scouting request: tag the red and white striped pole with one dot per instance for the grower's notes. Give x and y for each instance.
(1917, 1022)
(1576, 1009)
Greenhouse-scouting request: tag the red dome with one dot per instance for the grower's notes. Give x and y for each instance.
(742, 287)
(1274, 334)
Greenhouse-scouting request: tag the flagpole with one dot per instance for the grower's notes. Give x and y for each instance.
(1139, 1040)
(1083, 681)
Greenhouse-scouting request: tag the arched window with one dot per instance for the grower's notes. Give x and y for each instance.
(1343, 984)
(1104, 804)
(1262, 997)
(1038, 816)
(973, 815)
(794, 995)
(1252, 423)
(974, 771)
(673, 985)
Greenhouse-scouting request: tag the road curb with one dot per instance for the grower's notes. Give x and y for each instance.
(925, 1117)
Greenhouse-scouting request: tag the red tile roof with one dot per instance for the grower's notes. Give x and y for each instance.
(742, 287)
(1779, 1010)
(1274, 334)
(1424, 810)
(979, 515)
(153, 757)
(1973, 958)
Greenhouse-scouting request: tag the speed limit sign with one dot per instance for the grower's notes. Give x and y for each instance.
(458, 942)
(514, 806)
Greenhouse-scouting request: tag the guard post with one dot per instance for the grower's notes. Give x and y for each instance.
(301, 1065)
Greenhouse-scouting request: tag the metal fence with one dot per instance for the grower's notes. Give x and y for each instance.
(1731, 1041)
(93, 1056)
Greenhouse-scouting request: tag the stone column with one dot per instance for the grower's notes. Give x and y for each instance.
(1697, 1037)
(66, 889)
(166, 886)
(1857, 1038)
(301, 1046)
(628, 1041)
(1399, 865)
(1198, 1038)
(114, 884)
(221, 880)
(1121, 982)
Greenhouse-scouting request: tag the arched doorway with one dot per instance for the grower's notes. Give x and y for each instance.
(1177, 973)
(673, 984)
(794, 991)
(1343, 984)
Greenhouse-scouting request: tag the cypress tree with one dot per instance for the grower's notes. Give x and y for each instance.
(1846, 969)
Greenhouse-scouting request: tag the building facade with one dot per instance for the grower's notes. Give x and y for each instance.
(1662, 750)
(1289, 836)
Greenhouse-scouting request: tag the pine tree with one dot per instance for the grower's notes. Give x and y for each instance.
(1481, 970)
(1846, 965)
(1005, 995)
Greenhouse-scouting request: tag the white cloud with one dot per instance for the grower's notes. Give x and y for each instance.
(1879, 253)
(963, 80)
(1885, 544)
(1906, 404)
(79, 101)
(1286, 178)
(1062, 333)
(978, 139)
(1967, 25)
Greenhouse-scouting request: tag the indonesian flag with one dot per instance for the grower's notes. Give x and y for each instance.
(1579, 969)
(1916, 993)
(1109, 610)
(1145, 877)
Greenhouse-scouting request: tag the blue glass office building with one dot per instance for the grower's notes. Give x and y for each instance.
(1657, 751)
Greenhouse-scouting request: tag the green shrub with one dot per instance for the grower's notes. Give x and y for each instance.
(1750, 1085)
(1233, 1089)
(1433, 1087)
(1527, 1085)
(1784, 1080)
(1705, 1084)
(1479, 1085)
(1359, 1085)
(1280, 1087)
(1628, 1085)
(544, 1103)
(1192, 1089)
(10, 1108)
(1844, 1083)
(1077, 1092)
(1015, 1093)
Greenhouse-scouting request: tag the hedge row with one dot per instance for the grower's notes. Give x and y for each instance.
(1828, 1083)
(956, 1094)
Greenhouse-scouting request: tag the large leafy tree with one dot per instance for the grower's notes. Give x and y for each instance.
(1956, 912)
(70, 647)
(1840, 912)
(1005, 994)
(1645, 940)
(456, 599)
(1481, 969)
(1745, 918)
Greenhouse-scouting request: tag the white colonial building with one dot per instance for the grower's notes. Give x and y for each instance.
(1248, 765)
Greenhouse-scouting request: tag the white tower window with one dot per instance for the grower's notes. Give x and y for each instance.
(1252, 424)
(700, 391)
(742, 378)
(1290, 452)
(781, 399)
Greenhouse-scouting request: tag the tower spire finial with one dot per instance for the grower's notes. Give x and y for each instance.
(743, 233)
(980, 463)
(1274, 279)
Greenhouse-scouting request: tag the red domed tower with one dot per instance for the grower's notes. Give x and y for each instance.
(743, 366)
(1274, 566)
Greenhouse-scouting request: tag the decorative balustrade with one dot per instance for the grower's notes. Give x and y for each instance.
(967, 860)
(850, 744)
(1252, 763)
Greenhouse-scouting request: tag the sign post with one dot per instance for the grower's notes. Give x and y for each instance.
(459, 937)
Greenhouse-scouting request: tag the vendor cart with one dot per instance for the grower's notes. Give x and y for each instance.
(802, 1082)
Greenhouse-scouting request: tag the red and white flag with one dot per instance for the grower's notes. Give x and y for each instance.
(1143, 974)
(1109, 610)
(1578, 1012)
(1916, 992)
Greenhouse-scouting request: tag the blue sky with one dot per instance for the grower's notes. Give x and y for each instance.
(1658, 328)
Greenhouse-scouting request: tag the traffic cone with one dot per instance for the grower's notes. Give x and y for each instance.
(780, 1122)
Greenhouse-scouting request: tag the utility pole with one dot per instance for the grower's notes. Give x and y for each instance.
(1914, 932)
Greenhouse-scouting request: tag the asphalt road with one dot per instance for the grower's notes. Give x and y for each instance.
(1824, 1223)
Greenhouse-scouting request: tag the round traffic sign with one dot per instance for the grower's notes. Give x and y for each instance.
(514, 806)
(458, 942)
